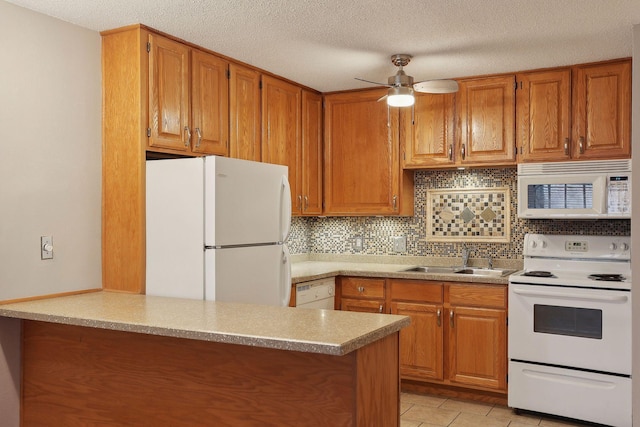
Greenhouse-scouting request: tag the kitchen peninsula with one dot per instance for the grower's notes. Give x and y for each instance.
(121, 359)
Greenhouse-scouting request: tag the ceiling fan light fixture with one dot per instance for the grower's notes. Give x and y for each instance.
(400, 96)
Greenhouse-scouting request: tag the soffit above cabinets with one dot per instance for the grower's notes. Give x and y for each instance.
(324, 45)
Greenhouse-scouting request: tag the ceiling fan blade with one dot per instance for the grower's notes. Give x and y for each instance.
(436, 86)
(375, 83)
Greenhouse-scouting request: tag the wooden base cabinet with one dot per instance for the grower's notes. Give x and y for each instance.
(457, 336)
(361, 294)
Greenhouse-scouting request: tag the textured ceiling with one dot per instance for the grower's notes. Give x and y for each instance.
(325, 44)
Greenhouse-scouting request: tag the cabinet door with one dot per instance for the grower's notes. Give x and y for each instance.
(543, 102)
(421, 355)
(602, 111)
(486, 114)
(427, 132)
(210, 104)
(364, 306)
(477, 347)
(281, 130)
(169, 94)
(361, 164)
(311, 191)
(244, 113)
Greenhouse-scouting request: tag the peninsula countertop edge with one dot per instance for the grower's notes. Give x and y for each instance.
(330, 332)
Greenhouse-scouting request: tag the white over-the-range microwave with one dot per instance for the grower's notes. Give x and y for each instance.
(597, 189)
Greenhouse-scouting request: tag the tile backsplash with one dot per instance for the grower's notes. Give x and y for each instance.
(337, 235)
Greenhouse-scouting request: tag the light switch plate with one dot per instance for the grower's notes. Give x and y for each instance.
(46, 247)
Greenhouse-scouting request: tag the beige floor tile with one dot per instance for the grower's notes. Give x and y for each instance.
(508, 413)
(420, 399)
(466, 419)
(467, 407)
(409, 423)
(546, 422)
(404, 406)
(431, 415)
(519, 424)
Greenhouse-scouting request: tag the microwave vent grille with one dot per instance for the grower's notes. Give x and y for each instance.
(593, 166)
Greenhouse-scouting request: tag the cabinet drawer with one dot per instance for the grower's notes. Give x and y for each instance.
(355, 287)
(478, 295)
(415, 290)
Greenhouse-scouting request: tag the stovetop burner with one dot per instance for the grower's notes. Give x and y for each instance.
(607, 277)
(538, 273)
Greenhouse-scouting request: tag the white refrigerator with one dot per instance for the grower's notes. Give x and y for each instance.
(215, 230)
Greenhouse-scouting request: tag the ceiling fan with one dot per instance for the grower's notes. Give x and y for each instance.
(401, 86)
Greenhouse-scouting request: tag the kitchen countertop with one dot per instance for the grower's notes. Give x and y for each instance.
(303, 271)
(284, 328)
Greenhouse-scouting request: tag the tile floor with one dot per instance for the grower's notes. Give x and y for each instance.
(433, 411)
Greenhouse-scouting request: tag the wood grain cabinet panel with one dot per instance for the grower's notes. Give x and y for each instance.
(602, 111)
(210, 104)
(428, 131)
(362, 171)
(362, 294)
(169, 101)
(544, 115)
(311, 154)
(244, 113)
(486, 121)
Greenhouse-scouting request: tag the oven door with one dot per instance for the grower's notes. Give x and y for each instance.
(575, 327)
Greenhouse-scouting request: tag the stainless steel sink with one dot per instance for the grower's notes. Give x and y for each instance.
(440, 270)
(491, 272)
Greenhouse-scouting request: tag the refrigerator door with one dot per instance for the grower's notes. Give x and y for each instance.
(245, 202)
(252, 274)
(174, 226)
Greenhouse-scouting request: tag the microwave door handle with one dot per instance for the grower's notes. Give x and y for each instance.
(572, 296)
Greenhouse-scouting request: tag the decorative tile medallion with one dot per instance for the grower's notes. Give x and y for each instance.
(481, 215)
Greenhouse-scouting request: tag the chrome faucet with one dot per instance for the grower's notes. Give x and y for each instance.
(489, 262)
(465, 255)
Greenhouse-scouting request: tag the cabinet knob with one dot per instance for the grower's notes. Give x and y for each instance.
(566, 146)
(380, 308)
(581, 144)
(450, 151)
(451, 318)
(361, 289)
(439, 317)
(306, 202)
(463, 151)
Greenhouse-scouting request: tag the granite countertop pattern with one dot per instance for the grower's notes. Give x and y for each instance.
(304, 271)
(284, 328)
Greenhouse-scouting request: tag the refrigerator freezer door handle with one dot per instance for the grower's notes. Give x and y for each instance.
(286, 282)
(285, 206)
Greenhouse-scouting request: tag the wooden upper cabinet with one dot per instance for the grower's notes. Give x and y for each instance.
(169, 102)
(486, 116)
(311, 152)
(543, 114)
(188, 99)
(602, 111)
(281, 104)
(362, 163)
(244, 113)
(428, 131)
(210, 109)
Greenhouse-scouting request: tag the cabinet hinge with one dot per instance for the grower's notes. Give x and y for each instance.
(148, 132)
(148, 47)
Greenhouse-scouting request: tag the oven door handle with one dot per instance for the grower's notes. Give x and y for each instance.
(574, 296)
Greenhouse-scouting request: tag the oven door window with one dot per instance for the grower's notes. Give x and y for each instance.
(571, 321)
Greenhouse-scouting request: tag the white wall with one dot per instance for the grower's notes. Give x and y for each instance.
(635, 223)
(50, 169)
(50, 154)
